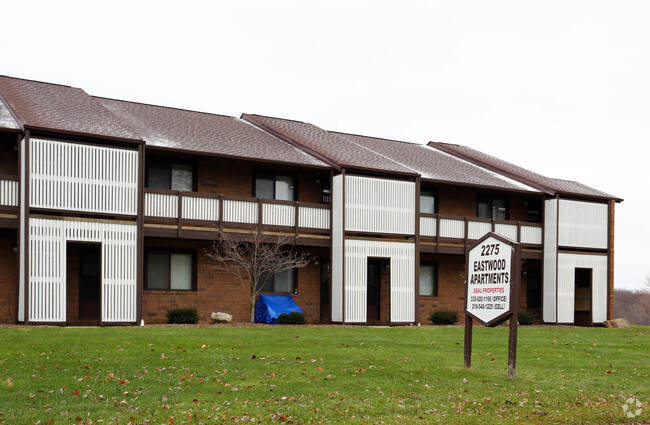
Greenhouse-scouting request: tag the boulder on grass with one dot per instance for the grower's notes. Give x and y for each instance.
(618, 324)
(220, 317)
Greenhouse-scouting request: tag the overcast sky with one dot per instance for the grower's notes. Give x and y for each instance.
(559, 87)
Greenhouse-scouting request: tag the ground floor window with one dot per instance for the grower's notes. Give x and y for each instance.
(428, 280)
(170, 269)
(283, 282)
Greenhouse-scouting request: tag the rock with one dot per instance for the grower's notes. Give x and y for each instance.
(618, 324)
(220, 317)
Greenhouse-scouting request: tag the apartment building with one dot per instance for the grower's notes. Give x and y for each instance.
(107, 208)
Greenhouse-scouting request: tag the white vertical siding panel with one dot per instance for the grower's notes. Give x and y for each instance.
(161, 205)
(531, 235)
(450, 228)
(567, 263)
(240, 211)
(200, 208)
(22, 276)
(478, 229)
(337, 249)
(379, 205)
(8, 193)
(427, 226)
(550, 260)
(68, 176)
(314, 218)
(583, 224)
(278, 214)
(507, 230)
(47, 280)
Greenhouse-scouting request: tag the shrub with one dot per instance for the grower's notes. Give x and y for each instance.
(526, 318)
(293, 318)
(444, 317)
(182, 315)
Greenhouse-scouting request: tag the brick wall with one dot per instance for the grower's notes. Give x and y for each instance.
(236, 178)
(8, 156)
(219, 291)
(451, 287)
(8, 276)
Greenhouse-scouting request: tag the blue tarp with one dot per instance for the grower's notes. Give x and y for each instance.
(269, 307)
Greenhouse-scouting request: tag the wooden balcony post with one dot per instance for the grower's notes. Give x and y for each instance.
(296, 216)
(220, 215)
(180, 213)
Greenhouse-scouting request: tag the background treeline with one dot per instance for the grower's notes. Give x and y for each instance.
(632, 305)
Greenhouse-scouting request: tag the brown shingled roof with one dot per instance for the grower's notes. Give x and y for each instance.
(547, 184)
(341, 151)
(434, 165)
(180, 129)
(60, 108)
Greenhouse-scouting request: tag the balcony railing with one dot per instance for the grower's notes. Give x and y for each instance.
(8, 191)
(212, 209)
(457, 227)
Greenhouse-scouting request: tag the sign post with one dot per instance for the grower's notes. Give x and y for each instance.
(493, 280)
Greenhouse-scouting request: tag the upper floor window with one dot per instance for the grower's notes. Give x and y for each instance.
(428, 280)
(270, 185)
(280, 282)
(170, 269)
(427, 202)
(534, 208)
(167, 173)
(494, 207)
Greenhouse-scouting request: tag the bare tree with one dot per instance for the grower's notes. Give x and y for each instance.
(255, 260)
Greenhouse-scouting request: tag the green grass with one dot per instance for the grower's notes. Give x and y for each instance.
(163, 375)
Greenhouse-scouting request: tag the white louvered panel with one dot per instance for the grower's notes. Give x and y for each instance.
(450, 228)
(76, 177)
(161, 205)
(402, 278)
(567, 264)
(240, 211)
(47, 268)
(478, 229)
(379, 205)
(583, 224)
(195, 208)
(24, 239)
(507, 230)
(278, 214)
(337, 248)
(427, 226)
(314, 218)
(550, 260)
(8, 193)
(531, 235)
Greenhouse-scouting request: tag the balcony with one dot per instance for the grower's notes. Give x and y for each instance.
(447, 233)
(192, 214)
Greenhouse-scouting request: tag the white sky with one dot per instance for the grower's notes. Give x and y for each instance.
(561, 88)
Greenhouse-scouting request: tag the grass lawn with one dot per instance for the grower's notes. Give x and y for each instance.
(281, 374)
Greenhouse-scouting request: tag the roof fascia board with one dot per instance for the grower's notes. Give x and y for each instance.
(57, 132)
(192, 153)
(292, 142)
(478, 186)
(497, 170)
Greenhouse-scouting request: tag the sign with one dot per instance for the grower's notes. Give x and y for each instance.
(489, 274)
(493, 278)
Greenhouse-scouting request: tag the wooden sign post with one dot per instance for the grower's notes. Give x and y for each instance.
(493, 280)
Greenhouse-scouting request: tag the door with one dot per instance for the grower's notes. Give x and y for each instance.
(582, 310)
(325, 289)
(90, 282)
(374, 290)
(533, 292)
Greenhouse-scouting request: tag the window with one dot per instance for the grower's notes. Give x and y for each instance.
(427, 202)
(274, 186)
(494, 207)
(168, 269)
(165, 173)
(281, 282)
(428, 280)
(534, 208)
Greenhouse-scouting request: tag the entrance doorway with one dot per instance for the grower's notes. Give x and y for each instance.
(374, 290)
(582, 309)
(84, 283)
(534, 292)
(325, 288)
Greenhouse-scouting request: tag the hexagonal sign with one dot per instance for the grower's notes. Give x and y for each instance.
(489, 278)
